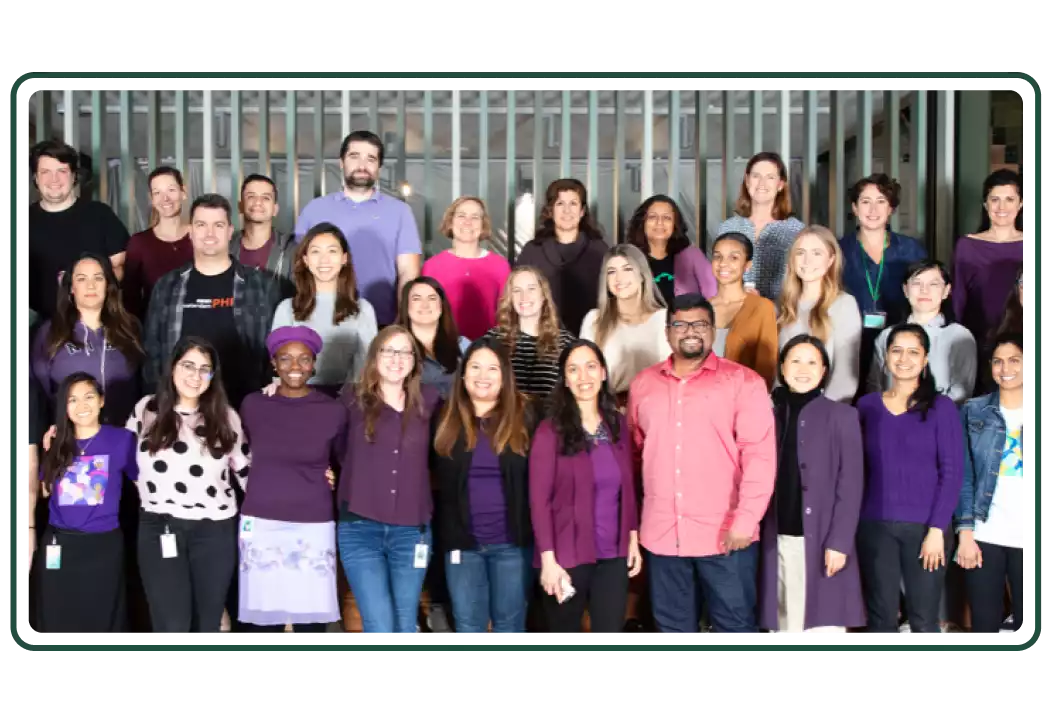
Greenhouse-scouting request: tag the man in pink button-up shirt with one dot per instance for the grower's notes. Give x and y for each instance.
(704, 432)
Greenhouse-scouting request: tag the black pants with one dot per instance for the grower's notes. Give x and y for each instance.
(603, 588)
(986, 587)
(186, 593)
(435, 580)
(297, 628)
(86, 593)
(888, 553)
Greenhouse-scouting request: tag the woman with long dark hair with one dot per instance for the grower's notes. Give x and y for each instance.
(327, 301)
(809, 575)
(425, 310)
(191, 449)
(480, 461)
(913, 450)
(1013, 315)
(658, 229)
(91, 332)
(583, 498)
(80, 561)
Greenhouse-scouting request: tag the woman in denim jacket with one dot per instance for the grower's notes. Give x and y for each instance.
(989, 519)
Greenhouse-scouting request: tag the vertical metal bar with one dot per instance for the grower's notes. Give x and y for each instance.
(564, 137)
(972, 131)
(455, 143)
(864, 132)
(153, 129)
(345, 114)
(484, 144)
(237, 169)
(510, 173)
(673, 118)
(891, 142)
(701, 168)
(592, 175)
(400, 132)
(429, 158)
(374, 112)
(98, 145)
(264, 139)
(71, 119)
(837, 162)
(128, 164)
(619, 165)
(647, 155)
(945, 177)
(292, 161)
(919, 128)
(538, 160)
(180, 135)
(810, 158)
(43, 113)
(208, 125)
(757, 121)
(785, 151)
(729, 183)
(318, 121)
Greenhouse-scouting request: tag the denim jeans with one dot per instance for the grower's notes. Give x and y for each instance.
(888, 553)
(727, 582)
(489, 585)
(378, 562)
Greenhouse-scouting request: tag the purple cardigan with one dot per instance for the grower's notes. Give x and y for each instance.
(692, 273)
(561, 498)
(830, 456)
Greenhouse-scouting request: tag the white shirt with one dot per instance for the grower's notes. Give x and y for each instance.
(1005, 521)
(629, 349)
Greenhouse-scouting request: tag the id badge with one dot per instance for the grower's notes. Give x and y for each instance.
(53, 558)
(246, 529)
(168, 546)
(455, 557)
(420, 556)
(874, 320)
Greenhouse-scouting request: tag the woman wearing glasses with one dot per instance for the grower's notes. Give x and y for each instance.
(385, 496)
(190, 450)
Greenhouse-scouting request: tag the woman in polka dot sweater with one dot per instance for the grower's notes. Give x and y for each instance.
(190, 450)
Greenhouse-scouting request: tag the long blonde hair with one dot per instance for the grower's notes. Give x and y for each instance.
(819, 319)
(607, 314)
(367, 392)
(548, 324)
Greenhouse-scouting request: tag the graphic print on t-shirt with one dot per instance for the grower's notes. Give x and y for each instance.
(1013, 454)
(85, 481)
(217, 303)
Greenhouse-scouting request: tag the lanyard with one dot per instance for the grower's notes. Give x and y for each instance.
(874, 287)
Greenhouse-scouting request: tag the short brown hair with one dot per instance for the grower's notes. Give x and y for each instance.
(783, 207)
(447, 217)
(885, 185)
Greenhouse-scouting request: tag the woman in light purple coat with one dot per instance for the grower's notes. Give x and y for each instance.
(809, 575)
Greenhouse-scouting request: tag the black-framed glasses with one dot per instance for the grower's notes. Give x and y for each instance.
(389, 353)
(680, 327)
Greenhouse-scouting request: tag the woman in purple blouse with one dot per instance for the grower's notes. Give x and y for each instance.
(483, 516)
(80, 561)
(914, 453)
(384, 496)
(583, 499)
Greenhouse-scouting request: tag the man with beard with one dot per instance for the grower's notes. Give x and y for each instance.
(380, 230)
(259, 245)
(704, 433)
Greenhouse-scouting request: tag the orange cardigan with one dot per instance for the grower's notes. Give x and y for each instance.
(753, 339)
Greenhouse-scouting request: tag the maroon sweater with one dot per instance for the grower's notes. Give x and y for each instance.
(148, 259)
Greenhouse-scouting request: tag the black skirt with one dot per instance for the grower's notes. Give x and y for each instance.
(86, 594)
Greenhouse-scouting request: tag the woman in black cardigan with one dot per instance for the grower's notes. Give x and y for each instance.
(480, 463)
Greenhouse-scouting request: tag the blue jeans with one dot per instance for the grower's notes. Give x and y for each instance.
(490, 585)
(378, 562)
(728, 583)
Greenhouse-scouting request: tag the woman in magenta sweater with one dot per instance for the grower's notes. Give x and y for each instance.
(583, 498)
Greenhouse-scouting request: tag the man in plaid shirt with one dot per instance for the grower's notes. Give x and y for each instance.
(215, 298)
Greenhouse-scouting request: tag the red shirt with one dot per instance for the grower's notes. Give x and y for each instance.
(148, 259)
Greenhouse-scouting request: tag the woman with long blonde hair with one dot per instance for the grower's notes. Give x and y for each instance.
(814, 303)
(628, 323)
(528, 326)
(384, 493)
(480, 464)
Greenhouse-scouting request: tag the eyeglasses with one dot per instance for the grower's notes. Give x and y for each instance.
(204, 372)
(680, 327)
(390, 353)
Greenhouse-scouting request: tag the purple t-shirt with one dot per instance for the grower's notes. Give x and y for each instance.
(293, 441)
(257, 258)
(607, 494)
(486, 496)
(378, 230)
(87, 496)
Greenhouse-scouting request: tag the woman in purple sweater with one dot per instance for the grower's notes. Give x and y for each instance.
(287, 534)
(583, 499)
(914, 453)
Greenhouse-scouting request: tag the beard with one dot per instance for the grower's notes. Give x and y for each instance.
(359, 182)
(692, 354)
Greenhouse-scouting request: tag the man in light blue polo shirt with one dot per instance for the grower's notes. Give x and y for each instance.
(380, 230)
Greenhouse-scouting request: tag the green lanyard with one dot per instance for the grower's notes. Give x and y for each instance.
(875, 287)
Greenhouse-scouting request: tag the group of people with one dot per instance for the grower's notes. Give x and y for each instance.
(788, 434)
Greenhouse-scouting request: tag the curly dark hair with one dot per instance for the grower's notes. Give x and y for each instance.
(563, 407)
(634, 235)
(547, 226)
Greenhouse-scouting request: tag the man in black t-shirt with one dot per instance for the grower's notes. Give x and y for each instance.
(63, 226)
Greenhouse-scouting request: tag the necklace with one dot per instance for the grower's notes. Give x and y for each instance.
(84, 449)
